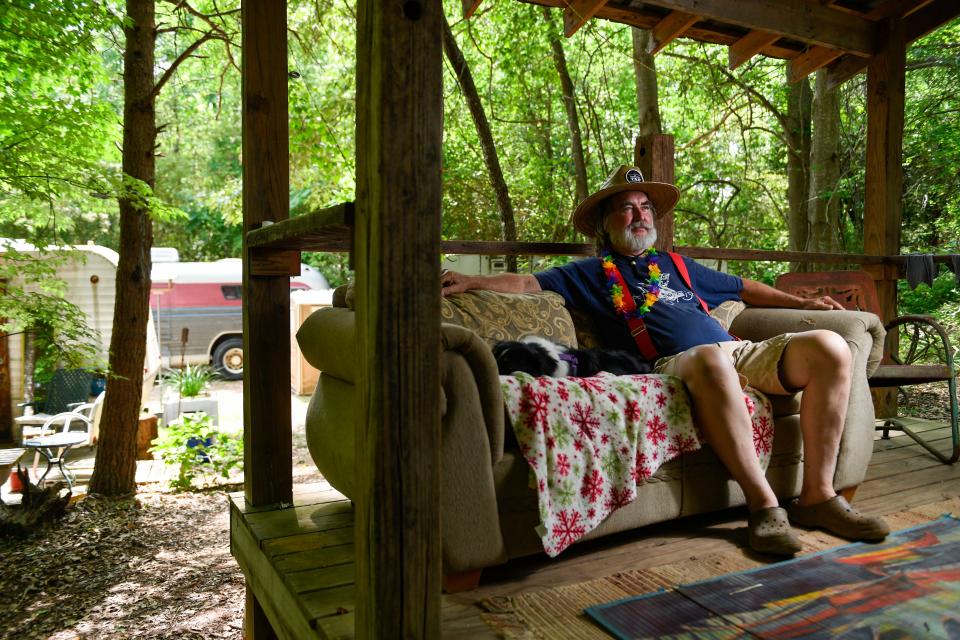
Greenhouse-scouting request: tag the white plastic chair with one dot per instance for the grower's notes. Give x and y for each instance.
(85, 417)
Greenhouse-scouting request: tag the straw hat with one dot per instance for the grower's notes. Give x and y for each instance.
(627, 178)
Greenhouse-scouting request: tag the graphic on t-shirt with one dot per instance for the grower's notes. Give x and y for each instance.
(668, 295)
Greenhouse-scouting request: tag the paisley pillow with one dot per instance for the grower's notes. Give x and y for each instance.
(498, 316)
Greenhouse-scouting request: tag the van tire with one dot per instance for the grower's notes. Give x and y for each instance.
(228, 359)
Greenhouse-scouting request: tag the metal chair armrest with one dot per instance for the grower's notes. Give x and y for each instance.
(930, 322)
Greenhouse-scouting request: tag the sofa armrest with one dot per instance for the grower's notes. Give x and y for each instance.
(857, 327)
(328, 342)
(483, 369)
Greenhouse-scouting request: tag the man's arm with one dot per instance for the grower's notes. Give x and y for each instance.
(453, 282)
(758, 294)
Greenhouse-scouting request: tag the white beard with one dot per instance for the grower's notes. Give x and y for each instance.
(628, 244)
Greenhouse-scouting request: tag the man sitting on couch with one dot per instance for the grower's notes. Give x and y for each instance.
(656, 303)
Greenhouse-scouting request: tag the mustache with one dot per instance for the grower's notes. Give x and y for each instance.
(641, 225)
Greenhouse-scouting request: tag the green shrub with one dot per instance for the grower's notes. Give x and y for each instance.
(198, 447)
(190, 381)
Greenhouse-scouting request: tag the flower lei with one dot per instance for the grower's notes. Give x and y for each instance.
(651, 286)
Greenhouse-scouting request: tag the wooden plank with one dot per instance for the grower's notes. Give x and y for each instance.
(298, 520)
(287, 614)
(267, 429)
(577, 13)
(895, 9)
(399, 151)
(317, 558)
(313, 493)
(279, 547)
(336, 575)
(670, 28)
(916, 25)
(330, 602)
(804, 21)
(812, 59)
(337, 627)
(479, 247)
(748, 46)
(653, 155)
(333, 224)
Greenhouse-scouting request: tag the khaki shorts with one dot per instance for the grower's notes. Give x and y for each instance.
(758, 362)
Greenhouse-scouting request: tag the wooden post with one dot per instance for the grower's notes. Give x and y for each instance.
(653, 155)
(399, 131)
(267, 430)
(884, 171)
(266, 301)
(6, 402)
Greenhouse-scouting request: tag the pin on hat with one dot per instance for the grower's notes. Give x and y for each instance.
(626, 178)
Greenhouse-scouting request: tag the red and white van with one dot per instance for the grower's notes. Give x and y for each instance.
(197, 309)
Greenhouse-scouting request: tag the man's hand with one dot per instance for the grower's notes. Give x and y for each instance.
(453, 282)
(823, 303)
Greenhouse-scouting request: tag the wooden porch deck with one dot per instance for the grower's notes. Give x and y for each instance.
(299, 560)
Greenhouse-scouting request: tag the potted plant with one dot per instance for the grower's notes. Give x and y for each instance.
(190, 384)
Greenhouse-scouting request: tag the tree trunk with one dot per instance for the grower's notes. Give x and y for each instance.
(797, 134)
(29, 365)
(822, 212)
(570, 103)
(648, 98)
(115, 466)
(465, 78)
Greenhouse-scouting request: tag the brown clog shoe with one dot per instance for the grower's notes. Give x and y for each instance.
(768, 531)
(837, 516)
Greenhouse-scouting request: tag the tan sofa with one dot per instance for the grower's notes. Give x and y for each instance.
(488, 512)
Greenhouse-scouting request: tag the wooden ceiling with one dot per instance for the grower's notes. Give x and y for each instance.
(811, 34)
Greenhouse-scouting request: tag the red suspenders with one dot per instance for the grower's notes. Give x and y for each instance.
(637, 328)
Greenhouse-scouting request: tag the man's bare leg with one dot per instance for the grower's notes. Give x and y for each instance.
(722, 416)
(819, 363)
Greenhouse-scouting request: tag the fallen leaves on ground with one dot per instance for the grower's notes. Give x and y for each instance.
(156, 565)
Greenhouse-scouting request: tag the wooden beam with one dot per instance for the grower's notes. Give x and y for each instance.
(670, 28)
(812, 59)
(469, 7)
(329, 229)
(916, 25)
(6, 402)
(702, 32)
(748, 46)
(577, 13)
(653, 155)
(884, 171)
(805, 21)
(895, 9)
(399, 135)
(266, 301)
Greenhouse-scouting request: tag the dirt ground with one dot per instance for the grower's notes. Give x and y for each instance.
(157, 565)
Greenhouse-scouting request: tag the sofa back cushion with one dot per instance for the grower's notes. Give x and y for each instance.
(499, 316)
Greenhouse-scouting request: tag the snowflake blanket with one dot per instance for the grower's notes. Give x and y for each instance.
(590, 441)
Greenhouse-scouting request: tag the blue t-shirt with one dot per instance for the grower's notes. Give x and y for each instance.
(676, 322)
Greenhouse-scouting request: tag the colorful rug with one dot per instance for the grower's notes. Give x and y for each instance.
(905, 587)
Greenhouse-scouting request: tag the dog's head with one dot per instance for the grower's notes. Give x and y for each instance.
(528, 357)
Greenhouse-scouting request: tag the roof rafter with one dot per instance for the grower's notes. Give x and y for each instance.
(670, 28)
(804, 21)
(578, 12)
(810, 60)
(748, 46)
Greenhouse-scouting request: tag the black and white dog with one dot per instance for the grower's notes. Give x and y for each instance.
(541, 357)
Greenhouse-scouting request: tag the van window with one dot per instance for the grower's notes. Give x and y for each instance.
(232, 291)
